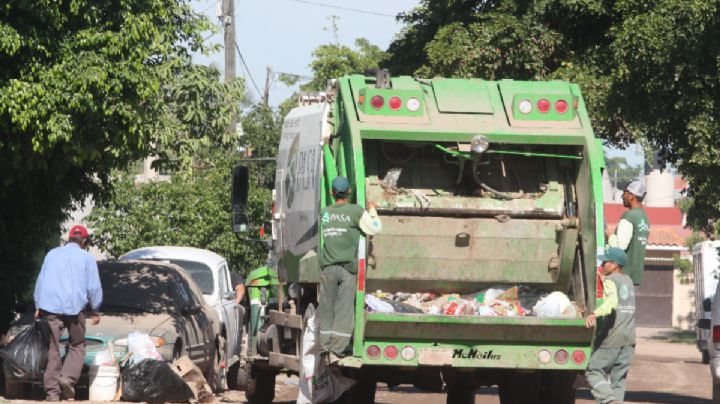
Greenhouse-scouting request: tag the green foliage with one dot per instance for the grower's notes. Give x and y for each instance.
(620, 172)
(87, 87)
(693, 239)
(685, 269)
(334, 60)
(648, 69)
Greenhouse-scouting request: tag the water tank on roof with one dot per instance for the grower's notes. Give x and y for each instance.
(660, 189)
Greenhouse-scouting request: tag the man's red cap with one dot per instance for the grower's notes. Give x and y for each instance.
(77, 231)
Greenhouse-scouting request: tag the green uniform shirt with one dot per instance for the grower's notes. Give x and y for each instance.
(341, 234)
(617, 327)
(638, 243)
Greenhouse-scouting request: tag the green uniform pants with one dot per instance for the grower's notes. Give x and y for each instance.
(612, 362)
(337, 308)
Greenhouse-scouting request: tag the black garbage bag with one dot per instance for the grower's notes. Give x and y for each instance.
(26, 356)
(401, 307)
(154, 381)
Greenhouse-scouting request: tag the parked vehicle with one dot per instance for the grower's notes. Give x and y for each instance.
(711, 328)
(159, 299)
(211, 273)
(477, 184)
(706, 269)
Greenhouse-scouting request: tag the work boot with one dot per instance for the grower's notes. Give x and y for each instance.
(68, 391)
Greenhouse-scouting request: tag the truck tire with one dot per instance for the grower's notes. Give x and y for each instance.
(260, 386)
(520, 388)
(705, 356)
(460, 393)
(363, 392)
(558, 387)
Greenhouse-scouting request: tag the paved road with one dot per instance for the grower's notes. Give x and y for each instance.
(665, 373)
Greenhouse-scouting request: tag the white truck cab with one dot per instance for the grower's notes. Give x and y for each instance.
(211, 273)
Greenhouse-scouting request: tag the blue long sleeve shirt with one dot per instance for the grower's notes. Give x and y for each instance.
(68, 280)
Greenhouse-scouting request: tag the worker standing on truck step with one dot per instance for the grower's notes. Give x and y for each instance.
(615, 336)
(342, 224)
(631, 234)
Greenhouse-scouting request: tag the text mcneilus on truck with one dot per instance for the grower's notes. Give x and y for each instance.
(490, 199)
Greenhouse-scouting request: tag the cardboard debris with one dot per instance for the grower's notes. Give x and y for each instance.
(188, 371)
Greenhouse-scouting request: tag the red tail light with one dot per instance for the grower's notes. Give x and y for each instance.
(373, 352)
(543, 106)
(599, 285)
(361, 99)
(561, 106)
(578, 357)
(361, 275)
(561, 356)
(377, 102)
(395, 103)
(391, 352)
(716, 334)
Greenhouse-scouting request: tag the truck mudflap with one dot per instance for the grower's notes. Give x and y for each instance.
(470, 341)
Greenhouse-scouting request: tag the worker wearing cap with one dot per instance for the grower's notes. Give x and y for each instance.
(631, 234)
(68, 281)
(342, 225)
(615, 336)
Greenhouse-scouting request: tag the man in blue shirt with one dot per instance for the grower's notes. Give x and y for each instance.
(68, 281)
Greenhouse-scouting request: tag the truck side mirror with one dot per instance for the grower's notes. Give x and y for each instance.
(240, 188)
(704, 323)
(707, 304)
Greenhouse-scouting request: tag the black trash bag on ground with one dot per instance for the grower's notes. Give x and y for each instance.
(155, 382)
(26, 355)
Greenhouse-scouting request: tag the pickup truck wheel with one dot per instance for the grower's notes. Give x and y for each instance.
(260, 386)
(705, 356)
(13, 389)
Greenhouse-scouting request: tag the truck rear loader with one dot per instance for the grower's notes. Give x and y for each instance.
(478, 184)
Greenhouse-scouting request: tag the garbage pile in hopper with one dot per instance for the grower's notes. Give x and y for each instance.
(513, 302)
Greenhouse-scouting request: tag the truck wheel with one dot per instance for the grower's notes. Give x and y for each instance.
(520, 388)
(13, 389)
(705, 356)
(558, 387)
(363, 392)
(260, 386)
(460, 393)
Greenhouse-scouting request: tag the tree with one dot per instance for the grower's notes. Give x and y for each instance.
(620, 172)
(648, 70)
(87, 87)
(194, 210)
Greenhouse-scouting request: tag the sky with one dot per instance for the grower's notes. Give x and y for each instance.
(283, 33)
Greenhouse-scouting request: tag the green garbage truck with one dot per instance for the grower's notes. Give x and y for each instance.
(480, 185)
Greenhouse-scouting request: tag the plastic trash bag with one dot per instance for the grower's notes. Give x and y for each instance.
(401, 307)
(26, 355)
(377, 304)
(154, 381)
(556, 304)
(142, 347)
(319, 383)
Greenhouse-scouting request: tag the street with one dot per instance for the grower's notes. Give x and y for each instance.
(662, 372)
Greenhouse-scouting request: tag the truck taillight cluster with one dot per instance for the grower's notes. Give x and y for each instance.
(561, 357)
(716, 334)
(391, 352)
(395, 103)
(543, 106)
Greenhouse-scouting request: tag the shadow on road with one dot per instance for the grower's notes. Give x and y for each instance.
(652, 397)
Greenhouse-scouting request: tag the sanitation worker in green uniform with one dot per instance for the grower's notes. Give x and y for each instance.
(615, 335)
(632, 231)
(342, 225)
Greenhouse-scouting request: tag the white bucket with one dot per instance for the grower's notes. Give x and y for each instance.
(103, 382)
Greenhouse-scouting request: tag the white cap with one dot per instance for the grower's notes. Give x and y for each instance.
(636, 188)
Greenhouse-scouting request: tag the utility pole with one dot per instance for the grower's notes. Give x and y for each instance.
(268, 80)
(228, 19)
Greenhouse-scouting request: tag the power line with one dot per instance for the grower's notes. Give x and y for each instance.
(242, 59)
(354, 10)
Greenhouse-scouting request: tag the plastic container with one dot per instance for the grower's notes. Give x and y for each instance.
(103, 382)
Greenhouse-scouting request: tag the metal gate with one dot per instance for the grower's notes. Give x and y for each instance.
(654, 299)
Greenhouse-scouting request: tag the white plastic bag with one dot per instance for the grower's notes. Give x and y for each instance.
(318, 382)
(141, 346)
(556, 304)
(378, 305)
